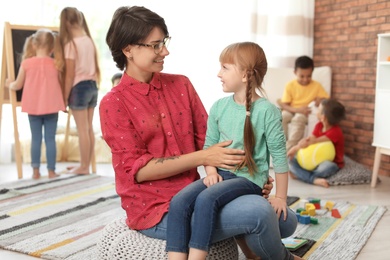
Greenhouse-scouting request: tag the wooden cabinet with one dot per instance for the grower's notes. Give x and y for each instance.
(382, 104)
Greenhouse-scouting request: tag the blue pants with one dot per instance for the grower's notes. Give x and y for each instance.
(323, 170)
(47, 123)
(200, 204)
(248, 216)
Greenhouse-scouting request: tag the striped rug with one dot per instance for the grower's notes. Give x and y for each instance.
(57, 218)
(339, 238)
(62, 218)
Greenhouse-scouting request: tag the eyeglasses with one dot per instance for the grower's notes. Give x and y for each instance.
(157, 47)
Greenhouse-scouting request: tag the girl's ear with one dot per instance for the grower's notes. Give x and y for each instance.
(244, 77)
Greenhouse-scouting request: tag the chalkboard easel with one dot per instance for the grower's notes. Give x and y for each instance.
(14, 38)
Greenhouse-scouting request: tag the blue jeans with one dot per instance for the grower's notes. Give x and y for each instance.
(323, 170)
(200, 204)
(250, 216)
(49, 124)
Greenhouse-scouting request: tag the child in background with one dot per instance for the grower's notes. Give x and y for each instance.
(116, 78)
(330, 113)
(81, 77)
(297, 96)
(254, 124)
(42, 94)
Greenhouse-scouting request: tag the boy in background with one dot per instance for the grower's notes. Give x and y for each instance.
(116, 78)
(297, 96)
(330, 113)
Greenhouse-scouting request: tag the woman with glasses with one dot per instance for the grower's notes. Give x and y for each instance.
(155, 125)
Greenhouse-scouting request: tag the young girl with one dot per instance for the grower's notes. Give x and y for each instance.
(330, 113)
(42, 94)
(82, 74)
(255, 125)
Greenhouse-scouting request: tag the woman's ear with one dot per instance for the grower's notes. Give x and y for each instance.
(127, 52)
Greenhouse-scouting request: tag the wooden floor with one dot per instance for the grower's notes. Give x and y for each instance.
(377, 247)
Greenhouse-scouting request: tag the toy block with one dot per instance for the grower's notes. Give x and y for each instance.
(311, 209)
(298, 216)
(314, 221)
(311, 212)
(299, 210)
(329, 205)
(304, 213)
(317, 205)
(312, 200)
(336, 213)
(304, 220)
(310, 206)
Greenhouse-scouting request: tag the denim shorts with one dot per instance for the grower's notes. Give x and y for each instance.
(83, 95)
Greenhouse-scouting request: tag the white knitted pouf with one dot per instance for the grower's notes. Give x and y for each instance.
(117, 241)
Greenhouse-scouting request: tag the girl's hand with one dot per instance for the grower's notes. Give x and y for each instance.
(279, 205)
(8, 83)
(212, 179)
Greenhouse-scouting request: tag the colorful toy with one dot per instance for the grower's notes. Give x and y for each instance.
(310, 209)
(316, 203)
(329, 205)
(310, 157)
(336, 213)
(304, 219)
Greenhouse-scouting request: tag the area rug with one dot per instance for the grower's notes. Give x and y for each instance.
(62, 219)
(338, 237)
(57, 218)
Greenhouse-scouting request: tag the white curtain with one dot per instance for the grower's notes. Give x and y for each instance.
(284, 28)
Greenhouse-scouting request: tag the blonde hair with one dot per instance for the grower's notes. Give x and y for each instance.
(250, 58)
(71, 16)
(44, 39)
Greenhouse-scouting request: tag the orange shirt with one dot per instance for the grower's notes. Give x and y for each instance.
(301, 96)
(42, 93)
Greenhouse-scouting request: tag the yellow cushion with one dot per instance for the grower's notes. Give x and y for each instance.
(310, 157)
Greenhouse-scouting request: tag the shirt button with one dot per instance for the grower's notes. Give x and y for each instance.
(162, 115)
(169, 133)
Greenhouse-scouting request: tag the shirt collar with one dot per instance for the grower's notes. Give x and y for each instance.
(141, 87)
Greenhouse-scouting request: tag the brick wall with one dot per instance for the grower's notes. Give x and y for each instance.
(345, 38)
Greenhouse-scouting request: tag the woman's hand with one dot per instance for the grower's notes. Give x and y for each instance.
(268, 187)
(279, 205)
(221, 157)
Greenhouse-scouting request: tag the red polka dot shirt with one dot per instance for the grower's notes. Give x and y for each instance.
(141, 121)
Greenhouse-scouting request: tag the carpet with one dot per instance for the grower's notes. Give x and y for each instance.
(62, 218)
(57, 218)
(338, 238)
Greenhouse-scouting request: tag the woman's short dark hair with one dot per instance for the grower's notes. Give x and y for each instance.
(131, 25)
